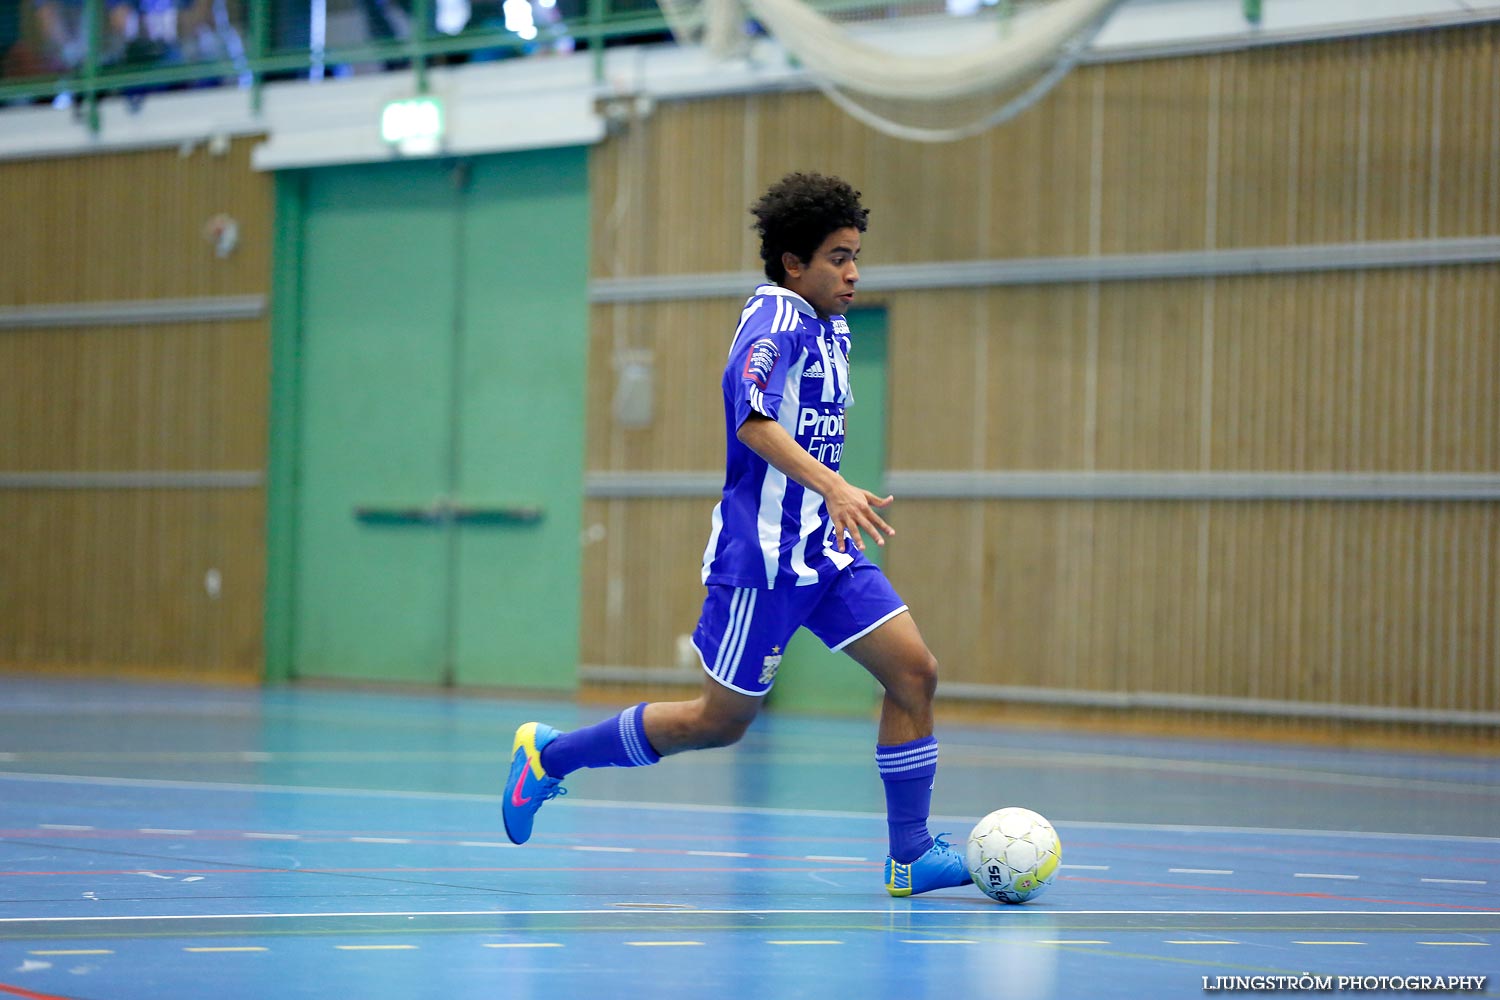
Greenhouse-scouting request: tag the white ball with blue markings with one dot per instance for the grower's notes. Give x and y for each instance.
(1013, 855)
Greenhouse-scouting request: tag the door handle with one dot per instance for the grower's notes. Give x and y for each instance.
(444, 511)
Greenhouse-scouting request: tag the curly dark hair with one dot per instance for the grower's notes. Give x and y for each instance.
(799, 212)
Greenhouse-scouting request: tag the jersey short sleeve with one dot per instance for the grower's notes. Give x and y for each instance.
(757, 368)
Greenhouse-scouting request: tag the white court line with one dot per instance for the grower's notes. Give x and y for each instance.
(62, 826)
(1347, 878)
(1087, 868)
(717, 854)
(803, 942)
(1457, 881)
(1069, 941)
(484, 843)
(937, 941)
(1202, 871)
(72, 951)
(379, 840)
(1199, 941)
(886, 911)
(603, 850)
(831, 857)
(522, 944)
(1436, 944)
(576, 802)
(271, 836)
(1289, 772)
(240, 948)
(665, 944)
(175, 833)
(376, 947)
(1357, 943)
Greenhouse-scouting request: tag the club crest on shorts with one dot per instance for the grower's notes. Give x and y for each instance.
(769, 665)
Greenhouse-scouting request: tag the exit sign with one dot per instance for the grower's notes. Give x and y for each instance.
(414, 127)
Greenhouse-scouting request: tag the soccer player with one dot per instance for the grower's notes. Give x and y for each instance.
(786, 549)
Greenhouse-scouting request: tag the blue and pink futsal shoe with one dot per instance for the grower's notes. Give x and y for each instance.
(528, 785)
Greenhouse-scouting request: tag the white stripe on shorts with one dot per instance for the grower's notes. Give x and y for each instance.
(732, 647)
(734, 614)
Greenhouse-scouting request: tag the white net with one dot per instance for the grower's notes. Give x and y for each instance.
(998, 64)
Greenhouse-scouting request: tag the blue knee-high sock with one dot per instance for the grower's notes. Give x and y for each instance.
(616, 742)
(907, 769)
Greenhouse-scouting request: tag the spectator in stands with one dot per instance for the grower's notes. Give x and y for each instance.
(64, 32)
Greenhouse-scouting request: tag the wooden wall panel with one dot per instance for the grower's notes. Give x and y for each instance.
(643, 587)
(1463, 313)
(130, 226)
(1389, 137)
(1035, 193)
(936, 336)
(1035, 344)
(1368, 604)
(186, 396)
(1361, 604)
(114, 580)
(1156, 119)
(687, 342)
(1467, 142)
(1149, 376)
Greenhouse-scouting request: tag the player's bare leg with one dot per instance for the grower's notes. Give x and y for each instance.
(718, 717)
(898, 658)
(543, 756)
(906, 754)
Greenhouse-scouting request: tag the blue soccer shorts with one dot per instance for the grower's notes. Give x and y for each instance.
(743, 631)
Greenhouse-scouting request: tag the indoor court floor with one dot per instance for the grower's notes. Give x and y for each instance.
(161, 842)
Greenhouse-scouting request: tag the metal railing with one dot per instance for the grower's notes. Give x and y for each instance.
(595, 25)
(602, 22)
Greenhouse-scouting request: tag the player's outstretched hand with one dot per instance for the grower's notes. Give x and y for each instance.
(852, 511)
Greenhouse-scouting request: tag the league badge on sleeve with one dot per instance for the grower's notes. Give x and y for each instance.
(763, 355)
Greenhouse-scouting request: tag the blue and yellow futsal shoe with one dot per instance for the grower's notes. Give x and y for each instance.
(528, 785)
(942, 867)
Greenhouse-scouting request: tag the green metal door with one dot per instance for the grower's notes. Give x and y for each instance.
(812, 679)
(522, 397)
(376, 354)
(439, 373)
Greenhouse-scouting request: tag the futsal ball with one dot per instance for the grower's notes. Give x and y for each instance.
(1013, 855)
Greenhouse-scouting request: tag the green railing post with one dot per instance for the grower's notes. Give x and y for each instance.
(93, 29)
(260, 37)
(596, 37)
(421, 13)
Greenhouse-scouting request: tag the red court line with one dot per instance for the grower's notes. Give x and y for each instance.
(28, 994)
(421, 837)
(1273, 850)
(243, 869)
(843, 867)
(1274, 892)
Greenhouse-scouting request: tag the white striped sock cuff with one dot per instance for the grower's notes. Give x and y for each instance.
(929, 764)
(905, 758)
(636, 746)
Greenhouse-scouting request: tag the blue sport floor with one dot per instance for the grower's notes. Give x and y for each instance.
(161, 842)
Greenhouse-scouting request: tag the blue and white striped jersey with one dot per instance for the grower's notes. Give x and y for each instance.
(791, 366)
